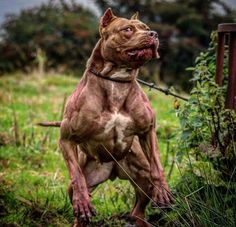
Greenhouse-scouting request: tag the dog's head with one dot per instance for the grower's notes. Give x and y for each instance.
(127, 42)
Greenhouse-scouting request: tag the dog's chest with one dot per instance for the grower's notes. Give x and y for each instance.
(117, 126)
(115, 131)
(117, 113)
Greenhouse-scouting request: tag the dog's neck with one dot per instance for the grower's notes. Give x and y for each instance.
(108, 69)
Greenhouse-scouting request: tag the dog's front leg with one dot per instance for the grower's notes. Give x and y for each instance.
(82, 207)
(161, 192)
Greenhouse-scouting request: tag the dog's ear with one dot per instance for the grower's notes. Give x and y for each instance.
(107, 18)
(135, 16)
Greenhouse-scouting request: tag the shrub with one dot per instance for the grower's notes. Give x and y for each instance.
(206, 193)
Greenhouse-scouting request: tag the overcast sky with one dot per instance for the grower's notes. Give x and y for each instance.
(14, 6)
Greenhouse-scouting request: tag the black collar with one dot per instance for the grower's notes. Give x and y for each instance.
(96, 73)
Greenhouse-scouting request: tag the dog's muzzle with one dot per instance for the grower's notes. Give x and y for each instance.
(153, 34)
(146, 52)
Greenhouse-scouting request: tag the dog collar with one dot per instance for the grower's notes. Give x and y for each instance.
(98, 74)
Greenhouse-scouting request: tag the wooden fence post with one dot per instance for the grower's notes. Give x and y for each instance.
(228, 30)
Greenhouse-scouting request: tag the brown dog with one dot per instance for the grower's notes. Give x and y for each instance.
(109, 126)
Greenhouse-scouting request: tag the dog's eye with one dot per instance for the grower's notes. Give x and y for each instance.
(129, 29)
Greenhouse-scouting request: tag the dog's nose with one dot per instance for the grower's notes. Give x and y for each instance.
(153, 34)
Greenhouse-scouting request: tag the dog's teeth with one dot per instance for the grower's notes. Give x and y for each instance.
(131, 53)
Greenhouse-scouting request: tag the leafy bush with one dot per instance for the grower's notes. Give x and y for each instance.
(206, 193)
(209, 128)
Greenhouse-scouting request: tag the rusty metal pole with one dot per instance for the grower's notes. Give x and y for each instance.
(229, 30)
(220, 58)
(231, 92)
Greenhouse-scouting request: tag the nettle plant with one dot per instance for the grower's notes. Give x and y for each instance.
(208, 129)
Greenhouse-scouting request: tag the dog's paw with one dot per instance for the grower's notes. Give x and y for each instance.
(162, 197)
(82, 207)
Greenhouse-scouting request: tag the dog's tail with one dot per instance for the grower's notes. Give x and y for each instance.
(50, 124)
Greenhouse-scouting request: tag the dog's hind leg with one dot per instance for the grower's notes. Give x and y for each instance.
(161, 193)
(135, 167)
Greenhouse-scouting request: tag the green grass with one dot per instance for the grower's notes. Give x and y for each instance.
(33, 177)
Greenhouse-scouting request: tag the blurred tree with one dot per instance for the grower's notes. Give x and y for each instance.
(184, 28)
(64, 31)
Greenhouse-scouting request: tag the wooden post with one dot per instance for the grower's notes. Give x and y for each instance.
(230, 30)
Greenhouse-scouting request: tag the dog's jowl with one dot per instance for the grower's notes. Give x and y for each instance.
(109, 125)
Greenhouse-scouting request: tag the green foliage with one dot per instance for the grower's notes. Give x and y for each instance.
(206, 192)
(207, 126)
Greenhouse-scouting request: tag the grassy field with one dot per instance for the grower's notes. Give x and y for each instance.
(33, 176)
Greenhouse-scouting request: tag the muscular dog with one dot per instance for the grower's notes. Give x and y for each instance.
(108, 127)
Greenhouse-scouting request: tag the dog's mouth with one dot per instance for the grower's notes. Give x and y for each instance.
(143, 54)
